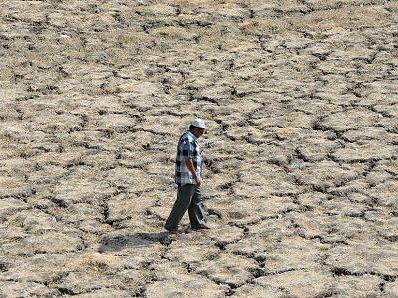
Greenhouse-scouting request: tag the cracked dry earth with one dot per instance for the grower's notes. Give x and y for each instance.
(300, 99)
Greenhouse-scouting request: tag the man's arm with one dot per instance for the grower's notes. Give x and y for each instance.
(191, 168)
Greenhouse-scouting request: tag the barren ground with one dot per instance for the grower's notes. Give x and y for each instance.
(300, 188)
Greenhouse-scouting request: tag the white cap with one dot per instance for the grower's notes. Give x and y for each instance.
(199, 123)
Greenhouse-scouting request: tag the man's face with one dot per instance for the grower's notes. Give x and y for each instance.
(199, 132)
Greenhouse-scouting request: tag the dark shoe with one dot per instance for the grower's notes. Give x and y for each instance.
(173, 230)
(201, 227)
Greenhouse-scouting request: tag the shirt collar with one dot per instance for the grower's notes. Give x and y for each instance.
(191, 134)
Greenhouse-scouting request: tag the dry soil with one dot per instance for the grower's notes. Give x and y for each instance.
(300, 98)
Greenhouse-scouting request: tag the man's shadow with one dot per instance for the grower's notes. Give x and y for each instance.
(120, 242)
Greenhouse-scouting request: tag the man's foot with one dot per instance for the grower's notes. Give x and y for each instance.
(173, 230)
(201, 227)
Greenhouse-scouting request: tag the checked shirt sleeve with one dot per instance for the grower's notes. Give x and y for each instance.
(186, 148)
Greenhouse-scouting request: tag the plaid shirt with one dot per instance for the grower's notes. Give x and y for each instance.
(187, 148)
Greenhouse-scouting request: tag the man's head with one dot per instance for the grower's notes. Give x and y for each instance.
(197, 127)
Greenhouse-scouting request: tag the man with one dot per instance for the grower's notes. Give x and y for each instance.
(188, 177)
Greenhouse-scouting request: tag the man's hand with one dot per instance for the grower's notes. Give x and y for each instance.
(197, 181)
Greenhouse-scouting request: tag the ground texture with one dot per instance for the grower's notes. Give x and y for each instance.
(301, 102)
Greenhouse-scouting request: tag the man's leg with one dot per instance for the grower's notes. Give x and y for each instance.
(195, 209)
(184, 196)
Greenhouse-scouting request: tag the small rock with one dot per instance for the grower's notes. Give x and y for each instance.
(3, 266)
(97, 9)
(33, 88)
(210, 144)
(104, 85)
(295, 166)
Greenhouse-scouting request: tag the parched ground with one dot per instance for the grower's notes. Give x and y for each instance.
(301, 101)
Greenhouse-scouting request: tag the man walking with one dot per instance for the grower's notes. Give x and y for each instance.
(188, 177)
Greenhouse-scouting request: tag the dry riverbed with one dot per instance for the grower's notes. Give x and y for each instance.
(300, 99)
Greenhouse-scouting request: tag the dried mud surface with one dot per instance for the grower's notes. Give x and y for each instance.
(300, 188)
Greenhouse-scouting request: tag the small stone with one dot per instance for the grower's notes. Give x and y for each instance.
(97, 9)
(33, 88)
(210, 144)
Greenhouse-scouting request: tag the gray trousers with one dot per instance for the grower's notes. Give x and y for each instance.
(188, 197)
